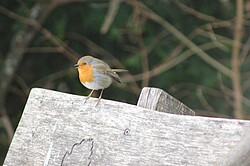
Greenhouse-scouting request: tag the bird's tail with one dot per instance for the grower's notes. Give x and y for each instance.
(119, 70)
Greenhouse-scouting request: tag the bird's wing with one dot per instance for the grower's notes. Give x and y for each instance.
(114, 76)
(112, 73)
(105, 69)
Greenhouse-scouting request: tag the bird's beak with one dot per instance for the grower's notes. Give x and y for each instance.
(76, 66)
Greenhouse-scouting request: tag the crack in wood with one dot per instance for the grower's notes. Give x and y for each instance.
(68, 153)
(91, 152)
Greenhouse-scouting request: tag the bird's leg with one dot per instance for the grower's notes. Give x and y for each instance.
(88, 96)
(99, 99)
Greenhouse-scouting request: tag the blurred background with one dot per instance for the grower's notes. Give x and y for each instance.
(196, 50)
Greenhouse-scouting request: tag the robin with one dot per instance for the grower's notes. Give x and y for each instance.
(95, 74)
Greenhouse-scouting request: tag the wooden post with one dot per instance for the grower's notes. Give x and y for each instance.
(59, 129)
(159, 100)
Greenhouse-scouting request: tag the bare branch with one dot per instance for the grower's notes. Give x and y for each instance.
(138, 23)
(193, 12)
(20, 41)
(44, 50)
(171, 62)
(192, 46)
(112, 12)
(238, 112)
(203, 100)
(245, 50)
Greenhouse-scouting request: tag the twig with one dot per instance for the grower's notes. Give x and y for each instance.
(156, 40)
(145, 63)
(138, 22)
(7, 124)
(71, 54)
(44, 49)
(222, 39)
(20, 40)
(110, 16)
(238, 110)
(208, 59)
(224, 90)
(203, 100)
(208, 90)
(245, 50)
(17, 48)
(202, 31)
(24, 7)
(219, 24)
(245, 85)
(51, 77)
(19, 93)
(229, 93)
(21, 82)
(64, 48)
(245, 100)
(193, 12)
(171, 62)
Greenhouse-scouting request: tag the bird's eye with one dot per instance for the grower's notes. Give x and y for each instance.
(82, 64)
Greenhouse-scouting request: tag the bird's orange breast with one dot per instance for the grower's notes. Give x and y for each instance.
(86, 73)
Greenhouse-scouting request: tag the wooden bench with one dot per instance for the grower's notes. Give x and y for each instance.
(58, 129)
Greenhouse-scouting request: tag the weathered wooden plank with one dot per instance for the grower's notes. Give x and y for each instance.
(239, 155)
(159, 100)
(57, 128)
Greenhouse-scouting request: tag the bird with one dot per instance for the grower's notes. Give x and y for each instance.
(95, 74)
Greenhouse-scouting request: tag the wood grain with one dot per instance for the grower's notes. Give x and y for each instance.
(159, 100)
(58, 129)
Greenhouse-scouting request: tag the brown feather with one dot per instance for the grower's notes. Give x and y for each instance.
(102, 67)
(114, 76)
